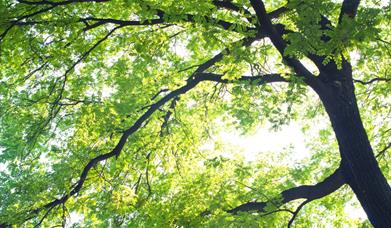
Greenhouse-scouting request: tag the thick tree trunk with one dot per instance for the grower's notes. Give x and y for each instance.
(359, 166)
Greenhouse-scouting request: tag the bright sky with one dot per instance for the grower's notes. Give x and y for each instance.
(264, 140)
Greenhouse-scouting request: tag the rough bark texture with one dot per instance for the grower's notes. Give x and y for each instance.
(359, 166)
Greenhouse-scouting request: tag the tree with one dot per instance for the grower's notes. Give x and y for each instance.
(105, 106)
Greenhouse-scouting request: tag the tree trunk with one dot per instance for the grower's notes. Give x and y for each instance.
(359, 166)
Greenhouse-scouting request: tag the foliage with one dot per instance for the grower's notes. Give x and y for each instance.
(76, 76)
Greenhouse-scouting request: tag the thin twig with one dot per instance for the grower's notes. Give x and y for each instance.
(296, 212)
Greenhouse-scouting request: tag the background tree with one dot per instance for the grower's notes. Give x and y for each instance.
(106, 106)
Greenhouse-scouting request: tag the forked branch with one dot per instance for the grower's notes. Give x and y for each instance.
(308, 192)
(279, 43)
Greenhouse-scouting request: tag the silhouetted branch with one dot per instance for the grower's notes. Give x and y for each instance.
(384, 150)
(167, 116)
(309, 192)
(43, 217)
(61, 3)
(158, 93)
(349, 8)
(50, 5)
(259, 80)
(279, 43)
(229, 5)
(122, 23)
(277, 12)
(372, 80)
(296, 212)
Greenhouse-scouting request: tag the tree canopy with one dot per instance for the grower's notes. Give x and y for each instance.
(111, 111)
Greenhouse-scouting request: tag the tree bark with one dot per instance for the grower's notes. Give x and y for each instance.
(359, 166)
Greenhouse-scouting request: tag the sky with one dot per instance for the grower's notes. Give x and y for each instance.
(264, 140)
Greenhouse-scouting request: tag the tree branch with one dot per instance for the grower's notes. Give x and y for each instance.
(44, 2)
(372, 80)
(349, 8)
(308, 192)
(166, 117)
(50, 5)
(230, 6)
(279, 43)
(277, 12)
(122, 23)
(56, 104)
(161, 14)
(384, 150)
(296, 212)
(259, 80)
